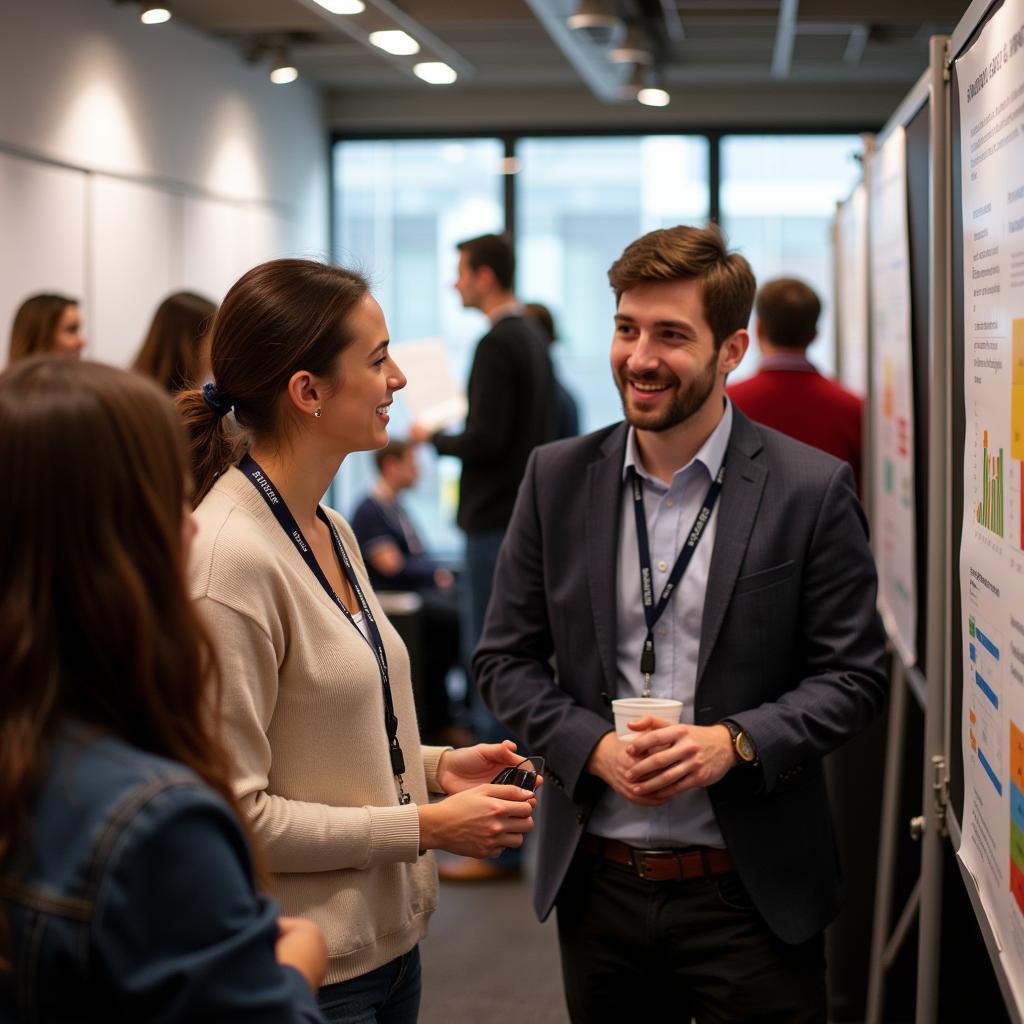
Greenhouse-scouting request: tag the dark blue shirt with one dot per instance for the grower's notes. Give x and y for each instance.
(374, 521)
(132, 899)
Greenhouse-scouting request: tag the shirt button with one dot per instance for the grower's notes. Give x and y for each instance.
(661, 631)
(669, 502)
(662, 566)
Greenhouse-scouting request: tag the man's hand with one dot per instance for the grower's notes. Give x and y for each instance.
(610, 760)
(668, 759)
(418, 434)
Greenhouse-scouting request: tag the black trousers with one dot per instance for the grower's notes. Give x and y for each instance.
(441, 652)
(633, 949)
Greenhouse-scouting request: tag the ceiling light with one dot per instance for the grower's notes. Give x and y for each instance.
(653, 97)
(394, 40)
(436, 72)
(282, 71)
(632, 50)
(596, 20)
(343, 6)
(154, 15)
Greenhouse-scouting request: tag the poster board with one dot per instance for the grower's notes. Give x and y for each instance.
(987, 678)
(852, 290)
(892, 426)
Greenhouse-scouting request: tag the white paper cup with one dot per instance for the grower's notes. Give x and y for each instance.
(632, 709)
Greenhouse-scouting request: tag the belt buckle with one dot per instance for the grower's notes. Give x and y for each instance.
(638, 857)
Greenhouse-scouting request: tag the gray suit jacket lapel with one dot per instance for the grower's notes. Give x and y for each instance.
(601, 545)
(737, 510)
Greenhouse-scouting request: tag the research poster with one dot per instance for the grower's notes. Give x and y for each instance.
(852, 290)
(892, 409)
(990, 79)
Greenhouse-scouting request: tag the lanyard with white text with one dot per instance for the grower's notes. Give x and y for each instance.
(654, 612)
(265, 487)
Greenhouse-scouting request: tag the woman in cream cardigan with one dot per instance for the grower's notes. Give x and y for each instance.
(318, 703)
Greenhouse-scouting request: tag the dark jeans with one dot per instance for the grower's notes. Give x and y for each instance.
(440, 650)
(388, 995)
(633, 949)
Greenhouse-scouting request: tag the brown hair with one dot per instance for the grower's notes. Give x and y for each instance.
(96, 623)
(171, 352)
(788, 311)
(681, 253)
(35, 324)
(279, 318)
(494, 251)
(544, 318)
(394, 449)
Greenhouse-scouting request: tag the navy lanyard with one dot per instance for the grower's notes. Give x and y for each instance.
(250, 467)
(652, 611)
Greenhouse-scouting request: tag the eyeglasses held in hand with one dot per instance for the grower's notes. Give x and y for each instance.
(517, 775)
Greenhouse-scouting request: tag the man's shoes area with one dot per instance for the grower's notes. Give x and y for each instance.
(469, 869)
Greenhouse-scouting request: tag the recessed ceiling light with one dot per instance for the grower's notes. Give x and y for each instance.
(154, 15)
(343, 6)
(436, 72)
(395, 41)
(653, 97)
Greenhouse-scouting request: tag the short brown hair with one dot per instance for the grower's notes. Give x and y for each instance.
(494, 251)
(394, 449)
(685, 252)
(788, 312)
(35, 324)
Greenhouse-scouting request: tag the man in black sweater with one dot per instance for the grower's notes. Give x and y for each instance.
(512, 409)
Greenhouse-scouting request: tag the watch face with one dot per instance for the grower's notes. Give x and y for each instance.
(745, 747)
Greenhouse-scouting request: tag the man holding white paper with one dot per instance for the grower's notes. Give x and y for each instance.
(686, 554)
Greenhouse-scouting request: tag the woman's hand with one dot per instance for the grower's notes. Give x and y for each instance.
(478, 822)
(300, 944)
(467, 767)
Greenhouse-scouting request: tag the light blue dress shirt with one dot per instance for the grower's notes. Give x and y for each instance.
(671, 510)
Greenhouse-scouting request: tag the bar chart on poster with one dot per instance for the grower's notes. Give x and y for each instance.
(990, 84)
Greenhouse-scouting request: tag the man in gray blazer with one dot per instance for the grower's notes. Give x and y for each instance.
(686, 553)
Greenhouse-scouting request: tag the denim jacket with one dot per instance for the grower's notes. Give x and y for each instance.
(132, 899)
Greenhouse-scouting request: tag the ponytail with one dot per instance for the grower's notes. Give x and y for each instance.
(213, 443)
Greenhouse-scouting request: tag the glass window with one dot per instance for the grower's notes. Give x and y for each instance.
(579, 203)
(401, 206)
(778, 201)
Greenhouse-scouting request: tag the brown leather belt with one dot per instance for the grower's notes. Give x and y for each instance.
(676, 865)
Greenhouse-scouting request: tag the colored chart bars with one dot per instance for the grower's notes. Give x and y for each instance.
(990, 508)
(1017, 415)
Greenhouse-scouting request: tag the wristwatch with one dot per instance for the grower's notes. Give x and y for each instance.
(742, 741)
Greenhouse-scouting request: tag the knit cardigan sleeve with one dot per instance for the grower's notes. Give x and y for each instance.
(294, 835)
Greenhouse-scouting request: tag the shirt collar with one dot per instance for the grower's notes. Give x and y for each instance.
(513, 308)
(787, 361)
(710, 455)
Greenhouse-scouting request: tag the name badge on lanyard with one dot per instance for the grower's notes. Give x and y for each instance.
(652, 611)
(265, 488)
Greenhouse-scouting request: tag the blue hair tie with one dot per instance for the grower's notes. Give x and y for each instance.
(219, 403)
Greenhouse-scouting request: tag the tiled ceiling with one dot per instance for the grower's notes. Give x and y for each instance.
(508, 43)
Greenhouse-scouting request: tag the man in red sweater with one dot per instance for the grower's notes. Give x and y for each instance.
(788, 393)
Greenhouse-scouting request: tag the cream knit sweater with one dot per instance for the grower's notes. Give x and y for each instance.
(304, 721)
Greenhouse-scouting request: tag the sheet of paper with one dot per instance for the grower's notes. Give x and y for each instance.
(990, 77)
(432, 395)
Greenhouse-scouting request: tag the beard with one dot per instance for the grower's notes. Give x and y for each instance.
(681, 404)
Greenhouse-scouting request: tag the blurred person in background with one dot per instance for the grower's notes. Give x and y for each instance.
(127, 887)
(47, 323)
(175, 353)
(319, 714)
(568, 423)
(397, 560)
(788, 393)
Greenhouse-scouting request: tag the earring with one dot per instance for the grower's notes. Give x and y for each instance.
(318, 412)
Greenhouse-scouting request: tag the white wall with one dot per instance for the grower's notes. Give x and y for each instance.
(138, 160)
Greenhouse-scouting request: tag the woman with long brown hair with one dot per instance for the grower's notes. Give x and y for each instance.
(174, 353)
(329, 770)
(126, 883)
(47, 323)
